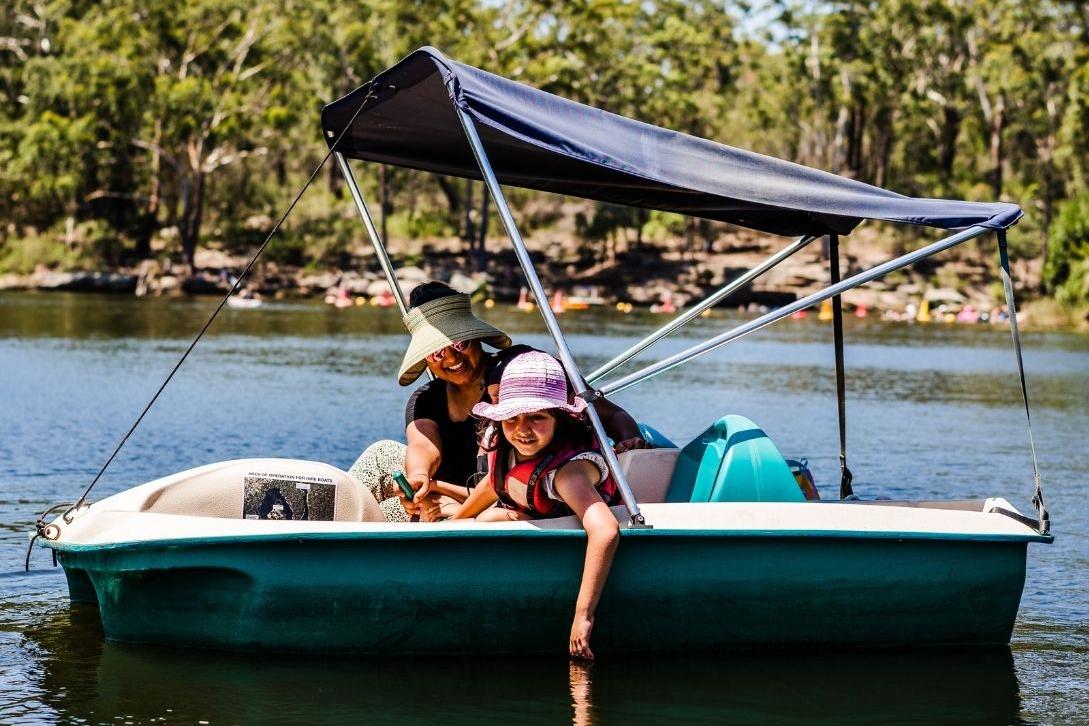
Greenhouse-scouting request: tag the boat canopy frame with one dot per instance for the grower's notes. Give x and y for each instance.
(457, 78)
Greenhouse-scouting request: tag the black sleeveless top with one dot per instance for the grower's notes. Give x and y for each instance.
(458, 438)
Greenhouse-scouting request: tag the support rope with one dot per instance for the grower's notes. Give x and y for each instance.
(1011, 307)
(367, 99)
(845, 489)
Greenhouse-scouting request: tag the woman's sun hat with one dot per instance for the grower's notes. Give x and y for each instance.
(532, 381)
(441, 322)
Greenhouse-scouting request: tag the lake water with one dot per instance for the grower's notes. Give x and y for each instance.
(933, 411)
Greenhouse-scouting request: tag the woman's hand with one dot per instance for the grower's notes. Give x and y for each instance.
(411, 508)
(635, 442)
(423, 484)
(580, 636)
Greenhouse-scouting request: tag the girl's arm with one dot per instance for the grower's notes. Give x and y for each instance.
(453, 491)
(575, 483)
(482, 497)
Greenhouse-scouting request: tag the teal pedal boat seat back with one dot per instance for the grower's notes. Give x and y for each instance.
(655, 438)
(732, 461)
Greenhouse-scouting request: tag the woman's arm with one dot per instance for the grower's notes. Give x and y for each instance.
(422, 459)
(482, 497)
(619, 425)
(575, 484)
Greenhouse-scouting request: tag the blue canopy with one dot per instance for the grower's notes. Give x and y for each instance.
(540, 141)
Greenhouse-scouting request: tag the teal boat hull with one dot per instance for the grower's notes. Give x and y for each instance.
(508, 591)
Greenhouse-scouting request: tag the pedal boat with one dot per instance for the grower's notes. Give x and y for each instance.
(171, 562)
(717, 550)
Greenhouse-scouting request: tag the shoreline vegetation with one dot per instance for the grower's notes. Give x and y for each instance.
(654, 275)
(149, 146)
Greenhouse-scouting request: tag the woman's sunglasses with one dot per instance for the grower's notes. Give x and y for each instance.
(458, 345)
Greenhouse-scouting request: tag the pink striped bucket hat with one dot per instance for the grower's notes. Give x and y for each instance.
(532, 381)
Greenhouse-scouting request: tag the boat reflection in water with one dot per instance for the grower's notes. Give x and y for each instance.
(92, 680)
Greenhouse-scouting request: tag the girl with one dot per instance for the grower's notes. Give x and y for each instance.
(543, 464)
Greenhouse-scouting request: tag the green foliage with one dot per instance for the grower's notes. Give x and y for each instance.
(88, 245)
(1066, 272)
(202, 115)
(24, 255)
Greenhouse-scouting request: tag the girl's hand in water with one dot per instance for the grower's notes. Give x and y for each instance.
(580, 636)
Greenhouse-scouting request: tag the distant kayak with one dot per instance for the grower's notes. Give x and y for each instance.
(244, 303)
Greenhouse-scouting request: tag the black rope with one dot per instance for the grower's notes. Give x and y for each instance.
(1011, 308)
(366, 99)
(43, 529)
(845, 489)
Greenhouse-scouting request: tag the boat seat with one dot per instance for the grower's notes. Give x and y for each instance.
(648, 472)
(732, 461)
(218, 490)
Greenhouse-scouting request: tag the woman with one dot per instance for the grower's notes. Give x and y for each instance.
(447, 339)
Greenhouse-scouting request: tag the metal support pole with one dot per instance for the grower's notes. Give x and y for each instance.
(690, 314)
(753, 325)
(551, 323)
(376, 239)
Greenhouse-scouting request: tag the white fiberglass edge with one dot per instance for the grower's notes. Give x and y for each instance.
(100, 526)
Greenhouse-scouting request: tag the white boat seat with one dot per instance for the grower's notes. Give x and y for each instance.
(218, 490)
(649, 472)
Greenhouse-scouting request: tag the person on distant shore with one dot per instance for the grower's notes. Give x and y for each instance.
(544, 464)
(442, 448)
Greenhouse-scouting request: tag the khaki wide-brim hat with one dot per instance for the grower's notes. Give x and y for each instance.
(439, 323)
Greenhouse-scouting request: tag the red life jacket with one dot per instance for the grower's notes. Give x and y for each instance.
(532, 474)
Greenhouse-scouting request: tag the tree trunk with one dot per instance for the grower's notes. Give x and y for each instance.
(839, 141)
(450, 191)
(1047, 157)
(469, 236)
(855, 139)
(485, 204)
(883, 151)
(383, 200)
(947, 149)
(336, 180)
(192, 211)
(641, 218)
(998, 122)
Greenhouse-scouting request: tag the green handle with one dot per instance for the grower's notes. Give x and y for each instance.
(402, 481)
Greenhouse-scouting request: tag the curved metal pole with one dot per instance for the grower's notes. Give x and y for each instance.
(551, 323)
(376, 240)
(688, 315)
(832, 290)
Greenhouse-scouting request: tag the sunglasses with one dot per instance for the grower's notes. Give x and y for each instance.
(458, 345)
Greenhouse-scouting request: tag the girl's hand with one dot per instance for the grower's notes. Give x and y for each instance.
(430, 510)
(580, 636)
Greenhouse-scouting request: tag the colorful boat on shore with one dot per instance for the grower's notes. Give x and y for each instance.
(720, 547)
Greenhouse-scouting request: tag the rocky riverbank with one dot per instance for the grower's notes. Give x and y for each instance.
(643, 275)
